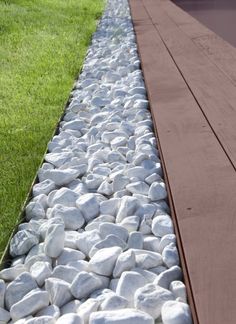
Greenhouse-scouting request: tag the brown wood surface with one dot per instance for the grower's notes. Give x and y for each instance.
(199, 173)
(213, 46)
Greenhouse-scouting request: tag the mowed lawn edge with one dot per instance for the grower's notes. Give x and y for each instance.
(43, 44)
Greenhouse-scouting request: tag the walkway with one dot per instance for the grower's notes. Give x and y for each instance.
(190, 74)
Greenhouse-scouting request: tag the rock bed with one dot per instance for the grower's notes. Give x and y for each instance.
(98, 245)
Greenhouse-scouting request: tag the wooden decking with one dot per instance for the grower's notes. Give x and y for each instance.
(190, 74)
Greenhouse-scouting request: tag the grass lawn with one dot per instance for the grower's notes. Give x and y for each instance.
(42, 47)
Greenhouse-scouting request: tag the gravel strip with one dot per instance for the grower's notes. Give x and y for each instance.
(98, 245)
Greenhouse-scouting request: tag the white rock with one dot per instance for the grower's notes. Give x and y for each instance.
(18, 288)
(135, 240)
(34, 210)
(70, 319)
(58, 290)
(131, 223)
(22, 242)
(120, 182)
(44, 187)
(65, 197)
(40, 271)
(106, 229)
(69, 255)
(157, 270)
(138, 172)
(105, 188)
(147, 260)
(89, 206)
(87, 308)
(151, 243)
(166, 240)
(71, 307)
(59, 177)
(109, 241)
(113, 302)
(80, 265)
(127, 207)
(54, 241)
(104, 260)
(174, 312)
(40, 257)
(148, 275)
(29, 304)
(110, 206)
(153, 178)
(179, 290)
(151, 298)
(129, 316)
(157, 191)
(70, 239)
(64, 272)
(162, 225)
(4, 316)
(86, 240)
(145, 225)
(125, 262)
(51, 310)
(170, 255)
(94, 224)
(41, 320)
(138, 187)
(2, 293)
(166, 277)
(48, 223)
(84, 284)
(128, 283)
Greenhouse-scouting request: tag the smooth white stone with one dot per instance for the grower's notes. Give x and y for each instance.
(44, 187)
(70, 319)
(65, 197)
(34, 210)
(41, 320)
(86, 240)
(74, 125)
(146, 209)
(40, 271)
(166, 277)
(179, 290)
(113, 302)
(135, 240)
(113, 284)
(106, 229)
(80, 265)
(157, 191)
(148, 275)
(121, 193)
(51, 310)
(151, 243)
(147, 261)
(54, 241)
(104, 260)
(58, 176)
(87, 308)
(89, 206)
(125, 262)
(128, 206)
(153, 178)
(105, 188)
(58, 159)
(48, 223)
(151, 298)
(174, 312)
(94, 224)
(138, 172)
(138, 187)
(4, 316)
(71, 307)
(166, 240)
(17, 261)
(129, 316)
(109, 241)
(118, 141)
(58, 290)
(84, 284)
(18, 288)
(120, 182)
(110, 207)
(162, 225)
(70, 239)
(64, 272)
(69, 255)
(158, 270)
(93, 181)
(170, 255)
(128, 283)
(131, 223)
(29, 304)
(2, 292)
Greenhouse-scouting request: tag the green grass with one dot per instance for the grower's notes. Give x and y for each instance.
(42, 47)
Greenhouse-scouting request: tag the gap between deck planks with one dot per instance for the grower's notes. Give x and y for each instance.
(193, 102)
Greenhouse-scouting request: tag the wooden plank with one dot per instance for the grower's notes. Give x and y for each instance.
(217, 49)
(201, 182)
(214, 92)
